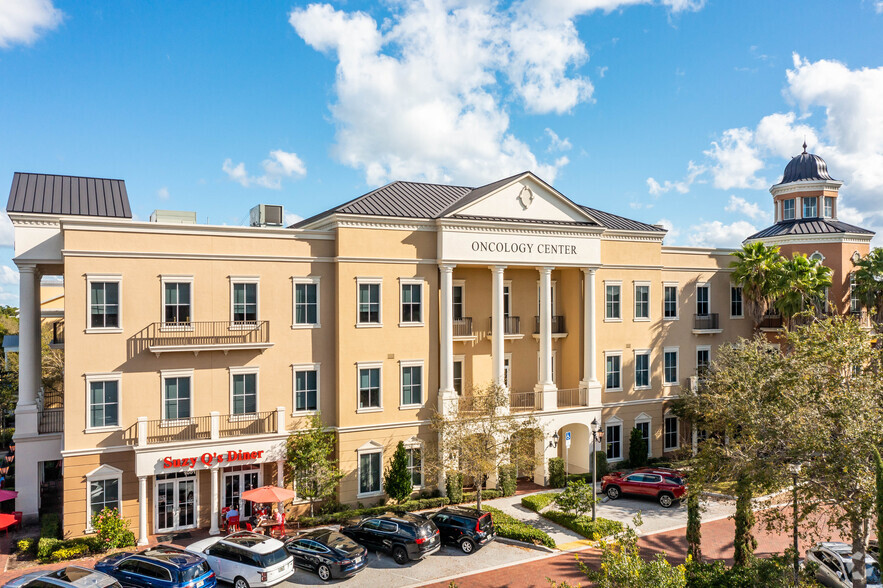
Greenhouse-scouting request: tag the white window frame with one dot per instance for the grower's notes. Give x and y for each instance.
(415, 443)
(618, 284)
(635, 287)
(364, 365)
(507, 370)
(649, 369)
(370, 281)
(806, 200)
(507, 296)
(368, 448)
(676, 286)
(244, 370)
(614, 422)
(702, 348)
(677, 352)
(554, 287)
(462, 285)
(412, 282)
(706, 285)
(245, 280)
(646, 418)
(785, 209)
(461, 359)
(412, 363)
(118, 279)
(175, 279)
(677, 446)
(305, 367)
(104, 377)
(613, 354)
(100, 474)
(180, 373)
(825, 201)
(298, 280)
(741, 302)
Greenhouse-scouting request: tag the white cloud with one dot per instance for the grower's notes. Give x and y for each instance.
(742, 206)
(556, 143)
(682, 186)
(426, 93)
(717, 234)
(736, 161)
(289, 218)
(8, 276)
(7, 231)
(672, 234)
(163, 193)
(279, 165)
(639, 205)
(23, 21)
(602, 71)
(878, 6)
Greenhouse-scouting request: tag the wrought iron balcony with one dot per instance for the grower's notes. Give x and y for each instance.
(707, 323)
(557, 324)
(771, 322)
(463, 327)
(206, 336)
(214, 426)
(57, 334)
(511, 325)
(51, 420)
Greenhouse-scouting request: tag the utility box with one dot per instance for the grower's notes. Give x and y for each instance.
(266, 215)
(180, 217)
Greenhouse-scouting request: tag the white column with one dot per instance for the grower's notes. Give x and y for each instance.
(29, 352)
(214, 510)
(498, 329)
(546, 328)
(280, 480)
(446, 327)
(142, 510)
(590, 375)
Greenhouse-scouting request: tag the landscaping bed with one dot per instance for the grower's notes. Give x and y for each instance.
(511, 528)
(582, 524)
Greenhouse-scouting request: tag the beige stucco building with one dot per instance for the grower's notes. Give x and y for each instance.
(192, 351)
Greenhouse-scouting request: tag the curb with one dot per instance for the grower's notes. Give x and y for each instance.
(517, 543)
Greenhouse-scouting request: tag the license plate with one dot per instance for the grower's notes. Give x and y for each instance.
(200, 584)
(358, 559)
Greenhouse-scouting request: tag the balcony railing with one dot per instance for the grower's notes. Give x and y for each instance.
(706, 322)
(570, 397)
(522, 401)
(207, 335)
(51, 421)
(214, 426)
(511, 325)
(463, 327)
(557, 325)
(771, 321)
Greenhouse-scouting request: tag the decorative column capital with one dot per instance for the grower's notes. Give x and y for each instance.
(498, 269)
(26, 268)
(589, 271)
(447, 267)
(545, 270)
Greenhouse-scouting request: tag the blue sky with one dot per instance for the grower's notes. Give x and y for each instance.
(674, 111)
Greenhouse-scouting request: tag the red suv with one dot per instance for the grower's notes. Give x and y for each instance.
(663, 484)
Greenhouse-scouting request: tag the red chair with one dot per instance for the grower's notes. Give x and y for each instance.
(233, 524)
(18, 516)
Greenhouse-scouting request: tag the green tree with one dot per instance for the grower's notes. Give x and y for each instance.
(744, 542)
(311, 466)
(577, 498)
(800, 285)
(481, 435)
(754, 270)
(397, 481)
(694, 523)
(878, 504)
(868, 276)
(637, 449)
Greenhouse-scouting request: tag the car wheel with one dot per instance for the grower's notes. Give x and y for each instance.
(666, 500)
(400, 555)
(613, 492)
(324, 572)
(467, 546)
(240, 583)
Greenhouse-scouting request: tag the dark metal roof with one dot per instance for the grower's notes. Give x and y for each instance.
(806, 166)
(53, 194)
(808, 226)
(620, 223)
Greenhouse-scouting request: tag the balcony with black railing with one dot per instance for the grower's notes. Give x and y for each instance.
(704, 324)
(51, 420)
(463, 327)
(206, 336)
(557, 325)
(511, 325)
(770, 322)
(214, 426)
(57, 334)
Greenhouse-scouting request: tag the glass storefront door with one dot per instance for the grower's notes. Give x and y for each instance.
(175, 501)
(236, 481)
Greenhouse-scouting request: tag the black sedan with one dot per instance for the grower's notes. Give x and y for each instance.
(328, 553)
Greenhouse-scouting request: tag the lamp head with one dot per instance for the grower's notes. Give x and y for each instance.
(594, 425)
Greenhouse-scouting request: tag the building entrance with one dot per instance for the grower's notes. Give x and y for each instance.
(237, 480)
(175, 501)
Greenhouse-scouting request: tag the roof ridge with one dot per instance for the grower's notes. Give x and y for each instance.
(69, 176)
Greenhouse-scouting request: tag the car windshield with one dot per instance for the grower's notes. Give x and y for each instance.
(341, 542)
(483, 521)
(274, 557)
(194, 572)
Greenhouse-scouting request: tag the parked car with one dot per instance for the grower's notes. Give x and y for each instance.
(468, 528)
(835, 565)
(328, 553)
(874, 549)
(160, 567)
(663, 484)
(246, 559)
(406, 537)
(65, 577)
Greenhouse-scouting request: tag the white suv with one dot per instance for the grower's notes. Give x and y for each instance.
(246, 559)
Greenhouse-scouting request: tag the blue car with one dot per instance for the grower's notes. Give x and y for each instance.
(159, 567)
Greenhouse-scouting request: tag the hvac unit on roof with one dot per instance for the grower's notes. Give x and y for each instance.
(266, 215)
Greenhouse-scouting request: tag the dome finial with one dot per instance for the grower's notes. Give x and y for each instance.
(804, 145)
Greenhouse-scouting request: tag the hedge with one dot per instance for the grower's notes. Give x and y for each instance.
(454, 486)
(72, 552)
(50, 526)
(485, 495)
(54, 550)
(511, 528)
(537, 502)
(342, 517)
(583, 525)
(27, 545)
(556, 473)
(507, 479)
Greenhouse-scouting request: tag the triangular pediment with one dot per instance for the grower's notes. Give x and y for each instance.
(524, 197)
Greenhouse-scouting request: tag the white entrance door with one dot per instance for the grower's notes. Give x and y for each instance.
(175, 502)
(235, 483)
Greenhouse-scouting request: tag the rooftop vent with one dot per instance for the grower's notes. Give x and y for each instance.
(181, 217)
(266, 215)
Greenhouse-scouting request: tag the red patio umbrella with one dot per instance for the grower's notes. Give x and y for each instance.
(267, 494)
(7, 495)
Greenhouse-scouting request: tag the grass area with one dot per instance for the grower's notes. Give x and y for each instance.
(583, 524)
(511, 528)
(722, 487)
(537, 502)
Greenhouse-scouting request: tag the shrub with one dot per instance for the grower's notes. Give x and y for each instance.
(485, 495)
(50, 526)
(511, 528)
(537, 502)
(26, 545)
(773, 572)
(601, 464)
(343, 516)
(45, 547)
(397, 482)
(583, 525)
(72, 552)
(637, 449)
(622, 566)
(111, 529)
(6, 436)
(507, 479)
(332, 506)
(577, 498)
(454, 486)
(557, 477)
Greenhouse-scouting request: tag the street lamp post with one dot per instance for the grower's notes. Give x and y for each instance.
(596, 437)
(795, 468)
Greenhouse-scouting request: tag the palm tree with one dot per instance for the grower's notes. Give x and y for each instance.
(800, 287)
(868, 285)
(756, 271)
